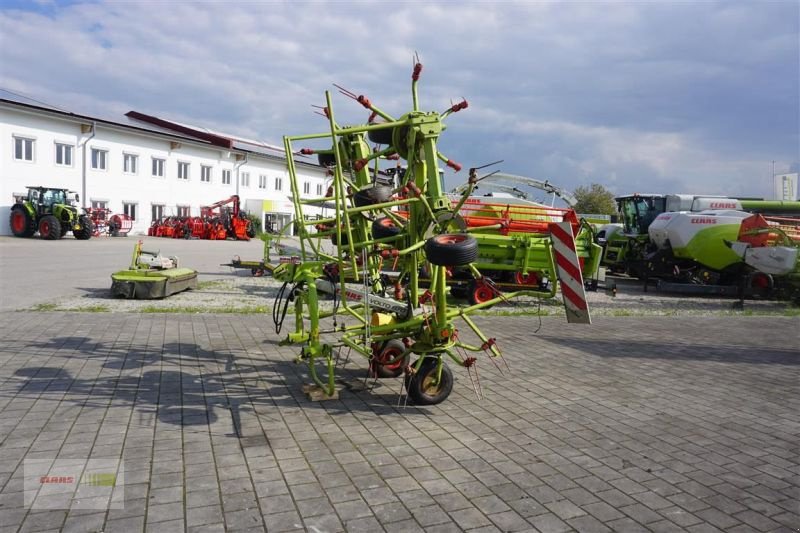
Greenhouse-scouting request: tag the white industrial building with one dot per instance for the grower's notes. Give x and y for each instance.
(143, 166)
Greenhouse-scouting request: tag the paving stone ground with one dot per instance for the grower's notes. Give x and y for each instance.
(632, 424)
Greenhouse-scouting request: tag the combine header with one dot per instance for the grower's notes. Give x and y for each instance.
(387, 227)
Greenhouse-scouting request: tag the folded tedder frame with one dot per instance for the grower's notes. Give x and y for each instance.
(387, 227)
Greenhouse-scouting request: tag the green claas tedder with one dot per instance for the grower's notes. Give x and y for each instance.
(387, 226)
(48, 211)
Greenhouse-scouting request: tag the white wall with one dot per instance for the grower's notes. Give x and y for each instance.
(115, 186)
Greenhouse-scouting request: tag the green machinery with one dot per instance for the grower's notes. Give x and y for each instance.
(394, 222)
(150, 276)
(48, 211)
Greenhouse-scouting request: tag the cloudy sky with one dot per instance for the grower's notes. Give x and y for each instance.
(638, 96)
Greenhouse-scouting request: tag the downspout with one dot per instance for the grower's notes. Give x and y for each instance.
(83, 163)
(238, 166)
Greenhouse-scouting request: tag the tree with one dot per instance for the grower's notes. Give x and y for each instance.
(594, 199)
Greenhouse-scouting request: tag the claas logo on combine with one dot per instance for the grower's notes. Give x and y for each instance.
(704, 220)
(723, 205)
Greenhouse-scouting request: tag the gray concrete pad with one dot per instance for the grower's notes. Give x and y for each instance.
(33, 271)
(648, 424)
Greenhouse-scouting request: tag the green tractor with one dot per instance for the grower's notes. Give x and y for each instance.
(48, 211)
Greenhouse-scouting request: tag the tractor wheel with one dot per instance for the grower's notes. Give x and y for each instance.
(422, 387)
(49, 228)
(383, 136)
(451, 249)
(336, 242)
(375, 194)
(21, 222)
(86, 230)
(460, 292)
(385, 353)
(385, 227)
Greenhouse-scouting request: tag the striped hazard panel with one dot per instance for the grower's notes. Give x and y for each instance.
(569, 273)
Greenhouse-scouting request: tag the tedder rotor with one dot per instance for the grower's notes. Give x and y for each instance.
(388, 225)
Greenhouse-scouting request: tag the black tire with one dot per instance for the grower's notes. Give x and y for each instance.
(451, 249)
(383, 136)
(344, 239)
(385, 353)
(21, 222)
(374, 194)
(385, 227)
(460, 292)
(420, 388)
(251, 230)
(326, 160)
(49, 228)
(64, 230)
(85, 233)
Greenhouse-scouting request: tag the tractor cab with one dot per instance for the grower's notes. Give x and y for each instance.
(45, 198)
(638, 211)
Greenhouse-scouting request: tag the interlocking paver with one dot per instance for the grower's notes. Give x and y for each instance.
(619, 427)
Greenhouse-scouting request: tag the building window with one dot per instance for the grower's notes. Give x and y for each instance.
(306, 187)
(99, 204)
(64, 155)
(157, 210)
(184, 210)
(130, 163)
(262, 182)
(278, 184)
(183, 170)
(226, 177)
(158, 167)
(245, 179)
(99, 159)
(205, 173)
(23, 149)
(129, 209)
(319, 189)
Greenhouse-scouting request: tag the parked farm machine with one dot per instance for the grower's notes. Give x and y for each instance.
(51, 212)
(386, 229)
(216, 222)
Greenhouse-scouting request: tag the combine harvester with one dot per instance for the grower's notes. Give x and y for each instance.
(401, 223)
(682, 241)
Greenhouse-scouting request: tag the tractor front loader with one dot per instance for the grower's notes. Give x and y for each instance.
(49, 211)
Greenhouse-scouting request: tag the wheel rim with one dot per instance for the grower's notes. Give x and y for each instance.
(760, 281)
(45, 228)
(525, 279)
(387, 223)
(429, 385)
(483, 294)
(387, 355)
(449, 239)
(18, 222)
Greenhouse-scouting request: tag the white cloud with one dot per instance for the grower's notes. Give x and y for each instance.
(679, 96)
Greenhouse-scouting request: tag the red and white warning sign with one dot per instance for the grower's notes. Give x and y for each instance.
(569, 273)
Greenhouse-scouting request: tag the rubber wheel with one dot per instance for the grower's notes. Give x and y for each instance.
(21, 222)
(344, 239)
(326, 160)
(388, 351)
(385, 227)
(251, 230)
(86, 230)
(451, 249)
(480, 293)
(374, 194)
(49, 228)
(459, 291)
(421, 387)
(64, 230)
(383, 136)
